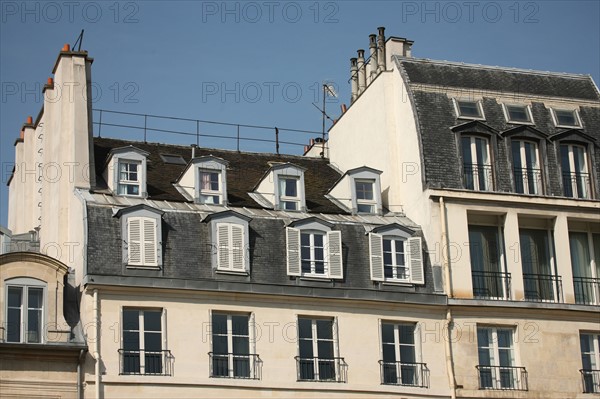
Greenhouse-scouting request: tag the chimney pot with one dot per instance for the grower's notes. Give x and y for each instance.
(30, 120)
(344, 108)
(306, 149)
(362, 73)
(66, 47)
(312, 142)
(50, 81)
(194, 151)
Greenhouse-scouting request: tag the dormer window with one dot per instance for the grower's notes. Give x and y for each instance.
(468, 109)
(517, 113)
(210, 187)
(565, 118)
(289, 199)
(141, 232)
(125, 172)
(281, 188)
(365, 196)
(396, 255)
(230, 242)
(204, 181)
(358, 191)
(129, 177)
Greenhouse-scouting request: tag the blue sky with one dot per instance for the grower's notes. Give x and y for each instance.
(261, 63)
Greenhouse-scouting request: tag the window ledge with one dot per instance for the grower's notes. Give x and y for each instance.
(142, 267)
(234, 272)
(315, 278)
(398, 283)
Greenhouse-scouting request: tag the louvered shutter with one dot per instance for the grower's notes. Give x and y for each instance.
(134, 241)
(376, 255)
(223, 248)
(417, 276)
(238, 261)
(293, 251)
(336, 269)
(150, 251)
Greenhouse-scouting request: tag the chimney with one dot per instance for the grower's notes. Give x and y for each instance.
(194, 151)
(354, 79)
(66, 47)
(30, 120)
(373, 67)
(362, 73)
(397, 46)
(381, 50)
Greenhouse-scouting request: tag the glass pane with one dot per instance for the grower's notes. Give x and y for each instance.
(35, 298)
(504, 338)
(484, 357)
(13, 325)
(305, 239)
(468, 108)
(152, 341)
(318, 240)
(566, 118)
(407, 335)
(131, 341)
(319, 267)
(387, 258)
(15, 296)
(152, 320)
(34, 325)
(291, 188)
(518, 113)
(241, 345)
(389, 353)
(325, 349)
(304, 328)
(220, 344)
(466, 151)
(506, 358)
(319, 254)
(564, 158)
(364, 208)
(407, 354)
(219, 323)
(241, 367)
(306, 348)
(131, 319)
(483, 337)
(387, 333)
(240, 325)
(324, 329)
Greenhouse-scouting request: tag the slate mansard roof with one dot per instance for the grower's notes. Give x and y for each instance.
(430, 84)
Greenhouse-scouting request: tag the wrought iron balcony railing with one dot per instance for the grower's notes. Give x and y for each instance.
(230, 365)
(502, 378)
(528, 180)
(590, 380)
(491, 285)
(407, 374)
(577, 185)
(587, 290)
(142, 362)
(543, 288)
(478, 177)
(334, 369)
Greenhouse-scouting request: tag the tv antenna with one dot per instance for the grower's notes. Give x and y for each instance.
(79, 40)
(328, 91)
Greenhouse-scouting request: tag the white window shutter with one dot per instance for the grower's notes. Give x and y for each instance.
(293, 251)
(134, 241)
(150, 247)
(376, 255)
(238, 261)
(415, 258)
(336, 269)
(223, 246)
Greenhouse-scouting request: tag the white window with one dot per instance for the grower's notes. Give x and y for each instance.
(477, 163)
(232, 353)
(25, 310)
(366, 201)
(517, 114)
(129, 177)
(210, 187)
(400, 364)
(231, 248)
(314, 253)
(142, 241)
(526, 167)
(396, 257)
(590, 362)
(537, 256)
(496, 367)
(143, 341)
(289, 195)
(318, 353)
(566, 118)
(576, 176)
(466, 109)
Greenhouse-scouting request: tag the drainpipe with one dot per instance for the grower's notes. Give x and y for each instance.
(79, 373)
(97, 345)
(448, 288)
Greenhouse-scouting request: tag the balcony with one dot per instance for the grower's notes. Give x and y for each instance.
(502, 378)
(406, 374)
(577, 185)
(528, 181)
(230, 365)
(332, 369)
(587, 290)
(590, 380)
(491, 285)
(543, 288)
(478, 177)
(141, 362)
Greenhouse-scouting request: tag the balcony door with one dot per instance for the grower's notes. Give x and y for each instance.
(537, 256)
(477, 164)
(585, 263)
(487, 262)
(526, 167)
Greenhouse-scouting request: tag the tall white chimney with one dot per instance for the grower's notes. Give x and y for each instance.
(362, 73)
(353, 79)
(381, 50)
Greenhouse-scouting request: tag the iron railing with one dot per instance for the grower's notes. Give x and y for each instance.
(231, 365)
(587, 290)
(407, 374)
(508, 378)
(141, 362)
(332, 369)
(577, 185)
(528, 180)
(590, 380)
(543, 287)
(491, 285)
(478, 177)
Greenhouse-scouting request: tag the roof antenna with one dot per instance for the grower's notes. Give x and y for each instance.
(328, 91)
(79, 40)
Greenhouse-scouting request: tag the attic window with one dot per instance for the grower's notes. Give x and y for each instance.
(468, 109)
(566, 118)
(517, 113)
(172, 159)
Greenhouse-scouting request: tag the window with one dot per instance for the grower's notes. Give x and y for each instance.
(517, 113)
(289, 198)
(231, 249)
(585, 261)
(401, 356)
(365, 197)
(537, 256)
(318, 358)
(142, 351)
(497, 360)
(396, 256)
(210, 187)
(231, 356)
(590, 361)
(565, 118)
(477, 164)
(490, 281)
(314, 250)
(24, 310)
(526, 167)
(129, 177)
(576, 177)
(142, 241)
(172, 159)
(468, 109)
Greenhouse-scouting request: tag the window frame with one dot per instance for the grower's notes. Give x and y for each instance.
(474, 227)
(495, 348)
(366, 174)
(285, 199)
(394, 254)
(557, 123)
(539, 181)
(540, 286)
(419, 380)
(473, 155)
(312, 259)
(233, 252)
(527, 109)
(594, 359)
(316, 356)
(203, 193)
(372, 203)
(253, 359)
(126, 182)
(578, 174)
(112, 174)
(413, 254)
(584, 290)
(232, 220)
(141, 334)
(25, 284)
(456, 102)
